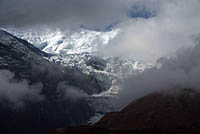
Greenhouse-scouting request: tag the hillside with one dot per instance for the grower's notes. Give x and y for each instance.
(173, 111)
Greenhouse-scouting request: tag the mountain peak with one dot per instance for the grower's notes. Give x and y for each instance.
(12, 41)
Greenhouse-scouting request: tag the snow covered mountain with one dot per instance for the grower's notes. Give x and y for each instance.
(66, 42)
(65, 91)
(77, 50)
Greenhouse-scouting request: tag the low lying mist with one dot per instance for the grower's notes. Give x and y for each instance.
(179, 71)
(16, 92)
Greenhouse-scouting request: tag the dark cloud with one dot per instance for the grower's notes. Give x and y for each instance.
(91, 13)
(65, 12)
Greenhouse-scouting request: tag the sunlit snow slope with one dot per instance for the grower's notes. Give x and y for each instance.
(66, 42)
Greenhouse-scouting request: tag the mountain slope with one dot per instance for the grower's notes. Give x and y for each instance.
(65, 90)
(90, 78)
(17, 55)
(79, 48)
(76, 50)
(158, 110)
(168, 112)
(68, 41)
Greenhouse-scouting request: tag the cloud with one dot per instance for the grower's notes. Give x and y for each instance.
(69, 13)
(70, 92)
(144, 9)
(156, 28)
(179, 71)
(66, 12)
(16, 91)
(161, 35)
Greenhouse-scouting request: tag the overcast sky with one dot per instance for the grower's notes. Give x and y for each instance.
(173, 27)
(149, 28)
(65, 12)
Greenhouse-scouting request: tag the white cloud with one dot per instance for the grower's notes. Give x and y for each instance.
(177, 72)
(148, 39)
(70, 92)
(17, 92)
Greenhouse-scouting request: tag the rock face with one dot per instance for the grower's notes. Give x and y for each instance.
(160, 112)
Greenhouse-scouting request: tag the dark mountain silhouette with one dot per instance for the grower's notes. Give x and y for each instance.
(168, 112)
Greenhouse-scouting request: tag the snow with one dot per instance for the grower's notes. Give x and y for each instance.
(59, 42)
(95, 119)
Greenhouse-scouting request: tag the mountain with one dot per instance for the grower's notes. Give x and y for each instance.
(166, 110)
(76, 85)
(66, 41)
(17, 55)
(65, 90)
(169, 112)
(79, 49)
(21, 57)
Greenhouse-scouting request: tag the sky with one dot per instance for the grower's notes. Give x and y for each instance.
(149, 28)
(172, 26)
(94, 13)
(68, 13)
(163, 32)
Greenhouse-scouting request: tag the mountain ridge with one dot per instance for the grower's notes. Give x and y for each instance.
(168, 112)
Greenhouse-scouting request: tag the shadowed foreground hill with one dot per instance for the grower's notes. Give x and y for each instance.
(174, 111)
